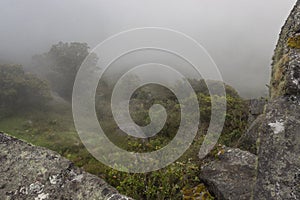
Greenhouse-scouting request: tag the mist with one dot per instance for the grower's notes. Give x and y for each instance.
(240, 35)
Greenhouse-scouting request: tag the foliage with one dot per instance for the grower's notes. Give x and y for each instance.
(166, 183)
(19, 89)
(54, 129)
(61, 64)
(161, 183)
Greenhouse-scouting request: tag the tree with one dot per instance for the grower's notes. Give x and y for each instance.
(61, 64)
(19, 89)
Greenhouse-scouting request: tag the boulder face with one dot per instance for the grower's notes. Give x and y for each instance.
(278, 169)
(30, 172)
(231, 176)
(285, 80)
(274, 135)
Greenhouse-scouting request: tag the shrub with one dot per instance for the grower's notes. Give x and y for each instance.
(166, 183)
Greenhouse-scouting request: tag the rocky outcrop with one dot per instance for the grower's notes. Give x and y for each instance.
(274, 135)
(35, 173)
(285, 80)
(278, 169)
(231, 176)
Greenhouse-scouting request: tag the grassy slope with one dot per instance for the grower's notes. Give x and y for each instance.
(54, 129)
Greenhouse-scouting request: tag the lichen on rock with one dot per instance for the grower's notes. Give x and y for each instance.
(30, 172)
(294, 42)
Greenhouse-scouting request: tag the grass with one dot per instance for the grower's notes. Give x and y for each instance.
(53, 128)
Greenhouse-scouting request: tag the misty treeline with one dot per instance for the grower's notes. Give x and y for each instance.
(52, 72)
(60, 65)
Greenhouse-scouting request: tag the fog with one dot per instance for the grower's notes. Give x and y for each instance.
(240, 35)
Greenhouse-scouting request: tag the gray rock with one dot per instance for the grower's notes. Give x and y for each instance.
(285, 80)
(278, 170)
(30, 172)
(256, 108)
(231, 176)
(248, 141)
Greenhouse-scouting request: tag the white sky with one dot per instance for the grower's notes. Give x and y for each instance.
(240, 35)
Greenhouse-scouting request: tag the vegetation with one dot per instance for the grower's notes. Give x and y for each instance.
(61, 64)
(19, 90)
(52, 126)
(278, 81)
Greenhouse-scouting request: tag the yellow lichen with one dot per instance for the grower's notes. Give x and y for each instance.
(294, 42)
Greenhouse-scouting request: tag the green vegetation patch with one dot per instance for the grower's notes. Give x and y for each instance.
(51, 125)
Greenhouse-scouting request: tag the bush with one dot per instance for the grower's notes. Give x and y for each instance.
(166, 183)
(179, 179)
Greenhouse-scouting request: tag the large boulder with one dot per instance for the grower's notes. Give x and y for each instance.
(231, 176)
(35, 173)
(278, 169)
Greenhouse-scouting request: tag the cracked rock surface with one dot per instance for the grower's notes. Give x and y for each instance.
(278, 169)
(35, 173)
(231, 176)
